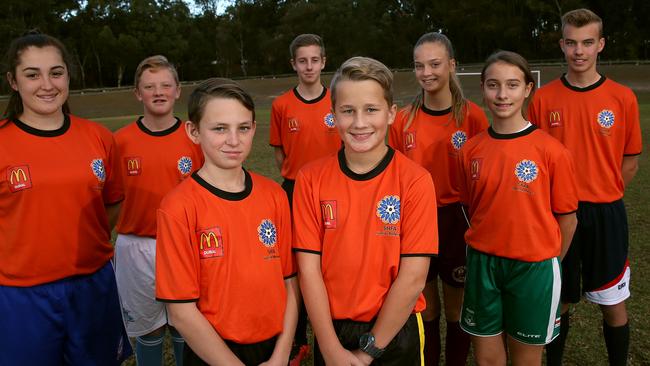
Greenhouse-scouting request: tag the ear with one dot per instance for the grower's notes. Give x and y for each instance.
(12, 81)
(138, 96)
(178, 91)
(561, 42)
(529, 88)
(601, 44)
(452, 65)
(293, 64)
(323, 63)
(392, 112)
(192, 131)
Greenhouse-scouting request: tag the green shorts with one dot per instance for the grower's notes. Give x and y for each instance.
(521, 298)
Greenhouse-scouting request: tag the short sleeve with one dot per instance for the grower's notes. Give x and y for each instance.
(275, 134)
(113, 191)
(177, 266)
(534, 110)
(285, 236)
(419, 229)
(564, 196)
(307, 227)
(395, 133)
(633, 143)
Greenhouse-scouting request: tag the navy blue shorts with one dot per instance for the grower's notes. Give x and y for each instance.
(452, 257)
(72, 321)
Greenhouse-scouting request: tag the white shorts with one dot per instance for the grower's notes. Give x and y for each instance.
(135, 272)
(612, 293)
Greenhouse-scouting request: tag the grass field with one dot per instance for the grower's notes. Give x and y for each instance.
(585, 344)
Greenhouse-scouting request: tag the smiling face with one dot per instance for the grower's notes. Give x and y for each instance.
(505, 90)
(362, 115)
(158, 91)
(308, 64)
(433, 66)
(581, 46)
(225, 133)
(42, 80)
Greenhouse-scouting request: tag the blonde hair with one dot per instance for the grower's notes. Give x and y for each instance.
(581, 17)
(458, 101)
(154, 63)
(364, 68)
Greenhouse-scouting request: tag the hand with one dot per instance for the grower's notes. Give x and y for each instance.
(342, 357)
(274, 362)
(365, 358)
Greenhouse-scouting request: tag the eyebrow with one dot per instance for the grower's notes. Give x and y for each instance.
(37, 69)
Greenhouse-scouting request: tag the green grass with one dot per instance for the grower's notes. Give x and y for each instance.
(585, 344)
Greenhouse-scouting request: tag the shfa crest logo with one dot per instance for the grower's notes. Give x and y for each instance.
(184, 165)
(388, 209)
(606, 118)
(210, 243)
(267, 233)
(329, 120)
(458, 139)
(97, 165)
(526, 171)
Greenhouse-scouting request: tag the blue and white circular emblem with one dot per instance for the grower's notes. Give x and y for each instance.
(388, 209)
(185, 165)
(267, 233)
(526, 171)
(329, 120)
(97, 166)
(606, 118)
(458, 139)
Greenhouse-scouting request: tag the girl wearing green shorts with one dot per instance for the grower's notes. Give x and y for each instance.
(518, 184)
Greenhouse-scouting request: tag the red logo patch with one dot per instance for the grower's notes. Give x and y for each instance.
(133, 165)
(555, 118)
(328, 210)
(210, 243)
(19, 178)
(409, 140)
(293, 125)
(475, 168)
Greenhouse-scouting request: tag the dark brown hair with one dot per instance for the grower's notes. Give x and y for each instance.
(581, 17)
(514, 59)
(216, 88)
(305, 40)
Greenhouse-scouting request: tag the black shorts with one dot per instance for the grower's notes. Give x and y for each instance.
(404, 350)
(451, 260)
(598, 252)
(249, 354)
(287, 185)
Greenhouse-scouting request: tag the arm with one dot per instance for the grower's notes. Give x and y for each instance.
(113, 213)
(318, 309)
(629, 168)
(200, 335)
(279, 156)
(567, 229)
(399, 304)
(283, 345)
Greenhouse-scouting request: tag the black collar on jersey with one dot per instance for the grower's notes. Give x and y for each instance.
(586, 88)
(369, 175)
(44, 133)
(228, 196)
(166, 132)
(312, 101)
(433, 112)
(508, 136)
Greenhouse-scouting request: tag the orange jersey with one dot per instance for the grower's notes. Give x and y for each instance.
(514, 185)
(53, 188)
(598, 124)
(361, 225)
(433, 141)
(229, 252)
(304, 130)
(152, 164)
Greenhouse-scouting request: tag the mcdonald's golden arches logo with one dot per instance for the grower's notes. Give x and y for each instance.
(294, 126)
(328, 210)
(133, 165)
(19, 178)
(555, 118)
(409, 140)
(210, 243)
(475, 168)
